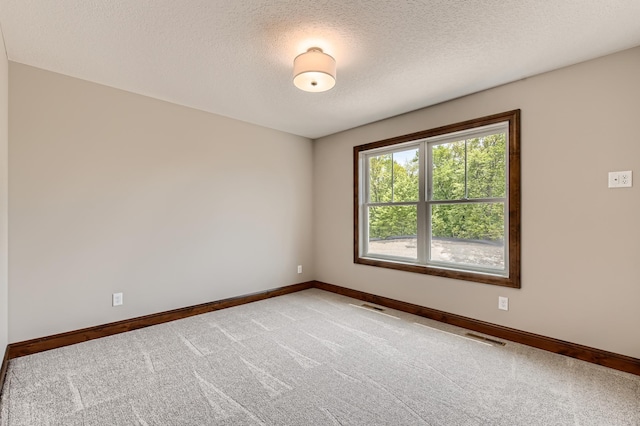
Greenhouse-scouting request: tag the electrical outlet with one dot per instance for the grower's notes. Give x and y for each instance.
(503, 303)
(117, 299)
(299, 269)
(624, 178)
(621, 179)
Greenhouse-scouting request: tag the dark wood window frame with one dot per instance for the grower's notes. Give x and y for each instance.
(512, 279)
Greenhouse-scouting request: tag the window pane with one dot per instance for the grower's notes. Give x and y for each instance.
(405, 175)
(448, 171)
(393, 230)
(486, 162)
(380, 182)
(470, 234)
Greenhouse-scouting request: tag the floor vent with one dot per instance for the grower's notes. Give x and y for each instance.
(375, 308)
(485, 339)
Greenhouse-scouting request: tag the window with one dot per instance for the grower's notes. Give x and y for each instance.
(443, 202)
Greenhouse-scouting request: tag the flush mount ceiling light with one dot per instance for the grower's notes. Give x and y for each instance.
(314, 71)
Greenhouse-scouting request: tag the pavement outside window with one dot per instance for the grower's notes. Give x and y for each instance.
(446, 250)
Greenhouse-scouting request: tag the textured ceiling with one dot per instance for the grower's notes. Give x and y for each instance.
(235, 57)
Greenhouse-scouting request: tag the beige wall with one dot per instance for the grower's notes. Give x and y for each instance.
(4, 153)
(115, 192)
(580, 240)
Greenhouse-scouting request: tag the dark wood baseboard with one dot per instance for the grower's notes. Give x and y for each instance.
(3, 369)
(584, 353)
(33, 346)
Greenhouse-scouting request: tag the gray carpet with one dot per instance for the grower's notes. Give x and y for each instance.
(311, 358)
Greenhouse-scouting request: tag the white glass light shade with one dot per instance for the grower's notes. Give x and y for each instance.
(314, 71)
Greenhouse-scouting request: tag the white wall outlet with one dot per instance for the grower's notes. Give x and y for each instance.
(625, 178)
(117, 299)
(621, 179)
(299, 269)
(503, 303)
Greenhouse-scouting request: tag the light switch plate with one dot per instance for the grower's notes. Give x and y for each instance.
(621, 179)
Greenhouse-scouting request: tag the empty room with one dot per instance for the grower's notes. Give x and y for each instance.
(319, 212)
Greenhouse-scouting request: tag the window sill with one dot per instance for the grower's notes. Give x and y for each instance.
(512, 281)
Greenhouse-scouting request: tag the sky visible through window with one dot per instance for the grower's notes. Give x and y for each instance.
(404, 157)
